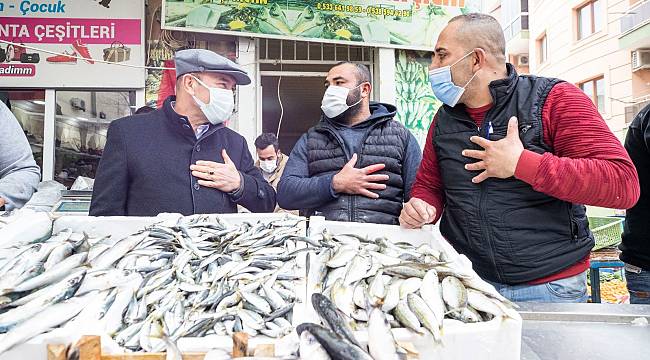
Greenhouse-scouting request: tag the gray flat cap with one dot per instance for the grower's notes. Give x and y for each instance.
(200, 60)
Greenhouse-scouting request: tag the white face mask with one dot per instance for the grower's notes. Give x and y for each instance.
(268, 166)
(221, 105)
(335, 100)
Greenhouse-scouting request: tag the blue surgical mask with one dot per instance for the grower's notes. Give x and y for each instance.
(442, 85)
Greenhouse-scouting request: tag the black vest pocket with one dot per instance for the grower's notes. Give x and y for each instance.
(537, 232)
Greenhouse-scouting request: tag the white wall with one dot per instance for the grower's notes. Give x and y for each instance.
(578, 60)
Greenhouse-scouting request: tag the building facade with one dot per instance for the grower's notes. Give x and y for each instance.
(598, 45)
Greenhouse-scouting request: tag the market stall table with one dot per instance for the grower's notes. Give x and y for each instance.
(584, 331)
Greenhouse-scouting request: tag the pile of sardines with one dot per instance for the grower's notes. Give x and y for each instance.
(373, 285)
(185, 277)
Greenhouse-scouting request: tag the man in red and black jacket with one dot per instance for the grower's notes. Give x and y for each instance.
(508, 164)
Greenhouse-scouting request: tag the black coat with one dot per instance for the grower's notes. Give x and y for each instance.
(636, 237)
(145, 169)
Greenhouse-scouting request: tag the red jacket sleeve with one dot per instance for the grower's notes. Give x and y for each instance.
(588, 164)
(167, 83)
(428, 184)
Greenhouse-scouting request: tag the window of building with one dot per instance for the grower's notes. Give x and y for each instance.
(595, 89)
(542, 49)
(590, 19)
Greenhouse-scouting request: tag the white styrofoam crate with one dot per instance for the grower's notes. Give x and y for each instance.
(119, 227)
(499, 339)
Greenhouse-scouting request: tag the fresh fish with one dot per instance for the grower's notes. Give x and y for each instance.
(330, 316)
(50, 317)
(171, 349)
(381, 343)
(342, 297)
(58, 254)
(476, 283)
(342, 257)
(25, 227)
(359, 295)
(62, 291)
(454, 293)
(273, 297)
(357, 270)
(257, 302)
(404, 271)
(377, 290)
(117, 251)
(56, 273)
(406, 317)
(383, 259)
(431, 292)
(481, 302)
(425, 315)
(335, 348)
(360, 315)
(392, 295)
(409, 286)
(334, 275)
(466, 315)
(310, 348)
(114, 315)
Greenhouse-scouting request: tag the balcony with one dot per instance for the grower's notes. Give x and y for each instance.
(516, 34)
(635, 27)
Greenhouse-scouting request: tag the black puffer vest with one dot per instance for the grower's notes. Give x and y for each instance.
(384, 142)
(511, 233)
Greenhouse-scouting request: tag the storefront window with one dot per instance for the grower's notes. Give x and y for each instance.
(29, 108)
(81, 126)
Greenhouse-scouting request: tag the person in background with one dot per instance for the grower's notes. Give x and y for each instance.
(358, 163)
(270, 160)
(509, 161)
(635, 247)
(19, 174)
(181, 158)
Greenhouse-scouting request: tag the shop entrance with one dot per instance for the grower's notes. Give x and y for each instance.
(292, 80)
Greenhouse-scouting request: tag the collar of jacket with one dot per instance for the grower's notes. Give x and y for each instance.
(180, 123)
(501, 91)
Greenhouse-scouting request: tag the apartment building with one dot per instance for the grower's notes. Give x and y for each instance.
(601, 46)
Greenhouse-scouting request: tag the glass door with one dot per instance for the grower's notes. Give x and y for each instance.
(82, 120)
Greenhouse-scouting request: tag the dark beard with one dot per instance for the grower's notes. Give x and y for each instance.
(353, 97)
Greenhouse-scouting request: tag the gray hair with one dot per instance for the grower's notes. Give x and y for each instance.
(481, 31)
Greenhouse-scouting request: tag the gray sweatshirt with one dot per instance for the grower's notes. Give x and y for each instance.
(19, 174)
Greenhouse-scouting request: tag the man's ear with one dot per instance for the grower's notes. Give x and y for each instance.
(368, 88)
(186, 84)
(479, 58)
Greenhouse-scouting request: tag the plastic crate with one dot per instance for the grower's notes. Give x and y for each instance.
(607, 231)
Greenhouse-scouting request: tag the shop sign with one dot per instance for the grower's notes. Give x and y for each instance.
(405, 24)
(66, 43)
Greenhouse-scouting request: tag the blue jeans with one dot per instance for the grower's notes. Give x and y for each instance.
(568, 290)
(638, 284)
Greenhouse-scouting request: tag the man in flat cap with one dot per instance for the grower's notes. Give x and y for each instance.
(181, 158)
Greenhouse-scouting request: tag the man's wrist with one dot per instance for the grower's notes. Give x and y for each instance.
(335, 185)
(237, 193)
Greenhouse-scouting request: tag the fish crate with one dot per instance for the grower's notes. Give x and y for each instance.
(90, 348)
(498, 339)
(607, 231)
(119, 227)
